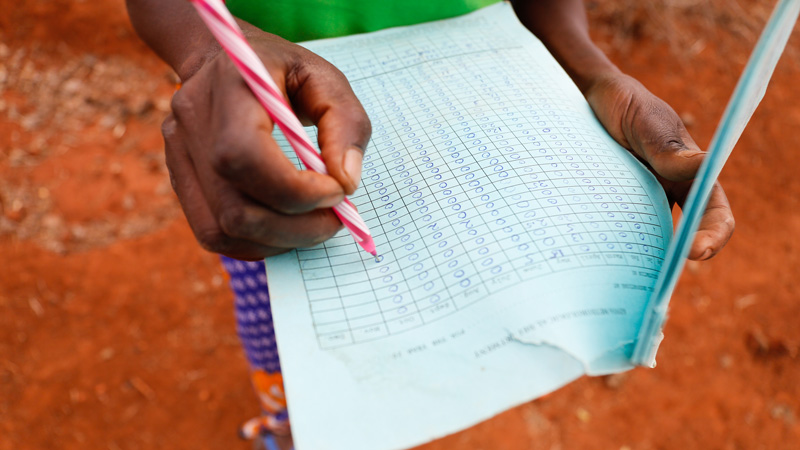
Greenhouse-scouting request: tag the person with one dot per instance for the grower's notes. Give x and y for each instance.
(243, 198)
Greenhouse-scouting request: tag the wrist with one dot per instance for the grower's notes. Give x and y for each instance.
(205, 48)
(588, 66)
(583, 61)
(190, 62)
(563, 28)
(613, 83)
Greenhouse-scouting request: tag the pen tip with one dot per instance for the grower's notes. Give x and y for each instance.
(369, 246)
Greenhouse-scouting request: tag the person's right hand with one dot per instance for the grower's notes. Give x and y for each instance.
(242, 197)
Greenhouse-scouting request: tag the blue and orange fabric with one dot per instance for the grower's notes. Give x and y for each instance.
(248, 280)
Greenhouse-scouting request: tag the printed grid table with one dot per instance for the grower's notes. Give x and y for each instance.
(477, 178)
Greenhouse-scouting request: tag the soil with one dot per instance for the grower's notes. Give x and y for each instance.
(116, 329)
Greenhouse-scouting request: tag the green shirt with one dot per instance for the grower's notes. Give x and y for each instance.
(303, 20)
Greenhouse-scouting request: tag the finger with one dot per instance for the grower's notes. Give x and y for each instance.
(325, 97)
(243, 219)
(245, 154)
(237, 216)
(199, 215)
(658, 135)
(716, 226)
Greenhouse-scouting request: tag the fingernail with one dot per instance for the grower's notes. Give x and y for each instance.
(352, 164)
(706, 254)
(689, 153)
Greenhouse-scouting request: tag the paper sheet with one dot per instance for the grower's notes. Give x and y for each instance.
(518, 243)
(746, 97)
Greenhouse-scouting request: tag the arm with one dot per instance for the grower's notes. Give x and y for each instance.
(241, 196)
(174, 32)
(633, 116)
(564, 29)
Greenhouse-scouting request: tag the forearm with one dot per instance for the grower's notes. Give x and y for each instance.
(174, 30)
(564, 29)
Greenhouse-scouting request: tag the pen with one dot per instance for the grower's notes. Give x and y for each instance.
(227, 32)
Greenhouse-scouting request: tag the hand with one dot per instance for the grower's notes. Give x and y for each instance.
(647, 126)
(242, 197)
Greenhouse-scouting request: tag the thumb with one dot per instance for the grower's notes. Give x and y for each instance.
(344, 131)
(324, 96)
(675, 156)
(658, 135)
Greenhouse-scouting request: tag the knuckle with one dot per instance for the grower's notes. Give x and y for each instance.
(666, 135)
(363, 125)
(169, 127)
(213, 240)
(356, 117)
(180, 104)
(669, 143)
(227, 157)
(663, 140)
(234, 221)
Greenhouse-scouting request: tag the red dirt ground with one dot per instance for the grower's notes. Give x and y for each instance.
(116, 330)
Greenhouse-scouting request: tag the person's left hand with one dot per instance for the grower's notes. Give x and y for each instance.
(650, 128)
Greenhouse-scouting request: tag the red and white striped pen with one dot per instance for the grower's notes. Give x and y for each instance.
(227, 32)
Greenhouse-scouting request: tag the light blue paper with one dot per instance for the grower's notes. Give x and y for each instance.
(746, 97)
(519, 243)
